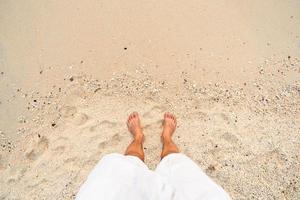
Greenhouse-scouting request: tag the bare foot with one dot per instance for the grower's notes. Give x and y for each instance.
(136, 146)
(134, 125)
(169, 126)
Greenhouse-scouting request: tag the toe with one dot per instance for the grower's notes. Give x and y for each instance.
(128, 120)
(135, 113)
(168, 114)
(130, 117)
(173, 119)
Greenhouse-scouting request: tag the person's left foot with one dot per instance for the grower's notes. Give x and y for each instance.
(134, 125)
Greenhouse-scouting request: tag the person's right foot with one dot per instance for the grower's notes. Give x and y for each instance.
(169, 126)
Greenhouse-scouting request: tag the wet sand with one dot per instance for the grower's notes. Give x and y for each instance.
(71, 73)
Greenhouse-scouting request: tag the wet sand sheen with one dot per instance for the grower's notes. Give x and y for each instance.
(228, 70)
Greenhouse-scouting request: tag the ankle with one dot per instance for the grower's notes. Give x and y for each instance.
(168, 149)
(138, 137)
(166, 139)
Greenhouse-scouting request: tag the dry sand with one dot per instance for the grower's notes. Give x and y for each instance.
(70, 73)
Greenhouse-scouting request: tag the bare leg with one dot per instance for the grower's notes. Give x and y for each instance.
(169, 126)
(136, 146)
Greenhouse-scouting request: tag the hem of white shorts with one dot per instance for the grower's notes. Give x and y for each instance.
(172, 156)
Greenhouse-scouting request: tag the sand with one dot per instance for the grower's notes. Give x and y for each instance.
(71, 73)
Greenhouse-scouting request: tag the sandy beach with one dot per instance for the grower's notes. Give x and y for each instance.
(71, 73)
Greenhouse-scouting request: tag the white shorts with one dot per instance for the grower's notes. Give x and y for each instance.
(177, 177)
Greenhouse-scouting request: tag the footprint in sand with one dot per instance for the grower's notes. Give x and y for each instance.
(154, 111)
(156, 124)
(114, 140)
(224, 116)
(59, 145)
(68, 111)
(80, 119)
(16, 174)
(201, 115)
(71, 113)
(71, 159)
(272, 160)
(38, 149)
(151, 115)
(59, 150)
(232, 139)
(102, 125)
